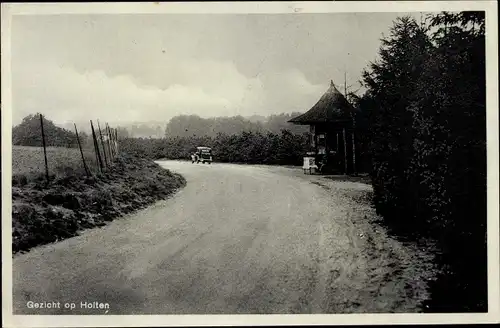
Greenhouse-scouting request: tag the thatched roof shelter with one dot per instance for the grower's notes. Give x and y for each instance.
(332, 107)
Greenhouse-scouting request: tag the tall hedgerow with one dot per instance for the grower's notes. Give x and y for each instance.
(426, 110)
(391, 82)
(248, 147)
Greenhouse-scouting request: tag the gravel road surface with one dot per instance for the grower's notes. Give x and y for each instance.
(236, 239)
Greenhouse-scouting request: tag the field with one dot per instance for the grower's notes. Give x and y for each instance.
(29, 161)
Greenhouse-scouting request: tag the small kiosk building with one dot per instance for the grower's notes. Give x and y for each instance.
(331, 121)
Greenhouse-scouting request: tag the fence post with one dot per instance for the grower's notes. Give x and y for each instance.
(44, 150)
(116, 141)
(108, 139)
(112, 140)
(106, 129)
(81, 152)
(96, 147)
(102, 143)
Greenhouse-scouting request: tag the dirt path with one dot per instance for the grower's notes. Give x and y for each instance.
(236, 239)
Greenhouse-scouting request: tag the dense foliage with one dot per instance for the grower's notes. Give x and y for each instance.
(29, 133)
(285, 148)
(425, 106)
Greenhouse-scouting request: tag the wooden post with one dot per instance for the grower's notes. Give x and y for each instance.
(81, 152)
(353, 154)
(113, 141)
(353, 127)
(116, 140)
(345, 150)
(108, 139)
(353, 143)
(44, 150)
(102, 143)
(109, 143)
(112, 132)
(96, 147)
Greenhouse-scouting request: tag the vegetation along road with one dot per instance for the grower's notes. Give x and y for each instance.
(236, 239)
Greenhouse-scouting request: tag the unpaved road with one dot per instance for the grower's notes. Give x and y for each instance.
(236, 239)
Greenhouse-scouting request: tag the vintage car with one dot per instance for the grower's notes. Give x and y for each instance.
(204, 155)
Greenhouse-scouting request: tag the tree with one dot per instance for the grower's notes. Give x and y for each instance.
(391, 83)
(450, 152)
(29, 133)
(122, 133)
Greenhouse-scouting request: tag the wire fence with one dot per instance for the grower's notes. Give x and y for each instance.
(96, 154)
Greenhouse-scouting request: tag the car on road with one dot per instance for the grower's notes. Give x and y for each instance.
(203, 155)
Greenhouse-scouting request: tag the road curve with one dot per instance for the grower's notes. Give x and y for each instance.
(236, 239)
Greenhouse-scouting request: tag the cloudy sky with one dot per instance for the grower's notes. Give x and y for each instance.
(123, 68)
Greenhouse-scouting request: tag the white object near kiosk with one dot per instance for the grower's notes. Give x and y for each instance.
(309, 165)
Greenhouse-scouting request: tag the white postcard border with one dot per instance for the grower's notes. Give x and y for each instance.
(8, 10)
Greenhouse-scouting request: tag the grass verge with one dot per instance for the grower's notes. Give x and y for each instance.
(45, 213)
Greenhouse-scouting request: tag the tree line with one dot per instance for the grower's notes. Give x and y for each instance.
(27, 132)
(194, 125)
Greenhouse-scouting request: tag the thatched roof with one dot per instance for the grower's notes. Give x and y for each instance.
(332, 107)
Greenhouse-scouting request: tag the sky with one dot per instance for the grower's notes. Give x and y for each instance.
(151, 67)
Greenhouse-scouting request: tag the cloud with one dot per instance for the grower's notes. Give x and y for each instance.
(195, 86)
(153, 67)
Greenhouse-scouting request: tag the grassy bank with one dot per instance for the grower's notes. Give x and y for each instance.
(44, 213)
(28, 161)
